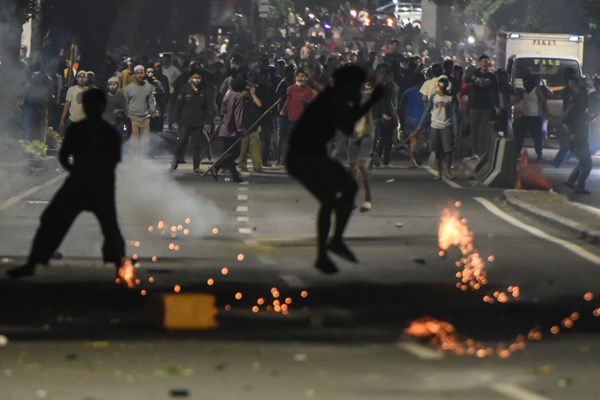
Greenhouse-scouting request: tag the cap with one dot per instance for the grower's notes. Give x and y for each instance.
(113, 79)
(81, 72)
(139, 67)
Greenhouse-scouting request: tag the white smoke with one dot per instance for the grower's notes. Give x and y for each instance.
(148, 194)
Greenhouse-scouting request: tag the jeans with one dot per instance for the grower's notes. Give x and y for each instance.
(283, 128)
(581, 172)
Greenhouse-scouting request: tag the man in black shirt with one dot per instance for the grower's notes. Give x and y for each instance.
(484, 105)
(575, 123)
(90, 152)
(337, 107)
(191, 112)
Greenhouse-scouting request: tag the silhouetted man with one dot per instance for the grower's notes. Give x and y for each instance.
(337, 107)
(90, 152)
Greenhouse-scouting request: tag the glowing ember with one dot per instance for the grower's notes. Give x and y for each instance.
(535, 334)
(177, 288)
(173, 228)
(186, 231)
(491, 258)
(224, 271)
(210, 282)
(255, 309)
(596, 312)
(188, 220)
(241, 257)
(227, 307)
(575, 316)
(589, 296)
(215, 230)
(160, 225)
(288, 300)
(555, 330)
(453, 231)
(154, 259)
(179, 227)
(238, 296)
(304, 294)
(143, 292)
(150, 229)
(126, 273)
(151, 279)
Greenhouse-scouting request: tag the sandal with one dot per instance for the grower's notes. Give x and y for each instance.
(366, 206)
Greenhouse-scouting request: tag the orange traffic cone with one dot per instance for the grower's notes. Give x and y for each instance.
(530, 176)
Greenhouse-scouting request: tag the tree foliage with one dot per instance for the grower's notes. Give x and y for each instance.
(575, 16)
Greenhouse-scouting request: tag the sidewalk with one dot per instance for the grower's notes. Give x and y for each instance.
(581, 219)
(577, 214)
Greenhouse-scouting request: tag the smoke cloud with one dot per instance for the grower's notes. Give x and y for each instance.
(146, 195)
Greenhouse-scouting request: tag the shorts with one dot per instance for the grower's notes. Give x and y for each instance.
(441, 139)
(360, 150)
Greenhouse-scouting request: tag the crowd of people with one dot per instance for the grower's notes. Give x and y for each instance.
(431, 95)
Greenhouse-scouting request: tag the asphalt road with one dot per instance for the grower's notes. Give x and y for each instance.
(394, 326)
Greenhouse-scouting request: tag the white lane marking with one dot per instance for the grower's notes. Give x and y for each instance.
(420, 351)
(292, 280)
(242, 189)
(244, 183)
(516, 392)
(242, 209)
(450, 183)
(577, 250)
(242, 197)
(243, 219)
(267, 260)
(29, 192)
(245, 231)
(38, 201)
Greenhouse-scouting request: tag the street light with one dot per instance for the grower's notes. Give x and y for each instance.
(472, 38)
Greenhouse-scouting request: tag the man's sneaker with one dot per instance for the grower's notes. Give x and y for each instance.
(22, 271)
(582, 191)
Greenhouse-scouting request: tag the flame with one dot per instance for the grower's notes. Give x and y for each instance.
(126, 273)
(454, 231)
(443, 335)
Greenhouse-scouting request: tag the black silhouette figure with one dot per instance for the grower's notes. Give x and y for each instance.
(337, 107)
(90, 152)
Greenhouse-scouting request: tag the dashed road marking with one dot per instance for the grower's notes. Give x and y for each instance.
(292, 280)
(243, 219)
(516, 392)
(242, 189)
(450, 183)
(572, 247)
(245, 231)
(242, 209)
(29, 192)
(267, 260)
(242, 197)
(420, 351)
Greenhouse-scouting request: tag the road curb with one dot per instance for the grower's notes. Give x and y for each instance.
(562, 219)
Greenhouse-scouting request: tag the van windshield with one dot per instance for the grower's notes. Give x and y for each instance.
(551, 69)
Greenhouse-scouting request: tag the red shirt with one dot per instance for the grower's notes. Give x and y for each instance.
(298, 97)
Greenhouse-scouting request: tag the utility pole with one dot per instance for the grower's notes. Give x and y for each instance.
(36, 29)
